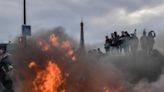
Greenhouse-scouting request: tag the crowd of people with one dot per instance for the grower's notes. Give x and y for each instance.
(126, 43)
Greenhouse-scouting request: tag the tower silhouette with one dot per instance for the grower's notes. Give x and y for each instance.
(82, 43)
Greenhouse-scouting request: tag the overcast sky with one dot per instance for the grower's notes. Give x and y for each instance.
(101, 17)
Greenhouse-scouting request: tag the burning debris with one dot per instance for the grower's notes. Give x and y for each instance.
(47, 80)
(50, 63)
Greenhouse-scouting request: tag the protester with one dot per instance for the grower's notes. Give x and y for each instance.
(143, 41)
(150, 41)
(107, 44)
(126, 43)
(134, 43)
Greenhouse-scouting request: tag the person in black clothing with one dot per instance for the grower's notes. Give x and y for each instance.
(144, 41)
(151, 41)
(134, 43)
(107, 44)
(100, 53)
(127, 44)
(116, 35)
(122, 41)
(122, 34)
(5, 68)
(116, 42)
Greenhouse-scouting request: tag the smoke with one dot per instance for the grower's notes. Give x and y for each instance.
(159, 42)
(87, 73)
(156, 86)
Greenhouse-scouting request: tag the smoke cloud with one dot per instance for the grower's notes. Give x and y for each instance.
(87, 73)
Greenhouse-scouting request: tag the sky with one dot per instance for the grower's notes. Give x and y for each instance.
(101, 17)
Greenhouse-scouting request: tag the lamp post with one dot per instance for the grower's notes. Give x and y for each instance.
(24, 38)
(26, 29)
(24, 12)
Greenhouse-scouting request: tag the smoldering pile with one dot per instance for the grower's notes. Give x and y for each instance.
(50, 62)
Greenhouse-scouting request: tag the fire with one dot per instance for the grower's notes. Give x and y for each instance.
(70, 52)
(64, 45)
(32, 64)
(44, 45)
(49, 79)
(54, 40)
(47, 75)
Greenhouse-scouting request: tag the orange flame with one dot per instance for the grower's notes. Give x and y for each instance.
(48, 80)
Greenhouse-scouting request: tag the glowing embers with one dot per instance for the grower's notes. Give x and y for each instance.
(32, 64)
(63, 46)
(54, 40)
(43, 44)
(48, 79)
(69, 51)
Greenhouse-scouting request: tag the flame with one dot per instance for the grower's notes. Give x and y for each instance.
(32, 64)
(70, 52)
(48, 77)
(48, 80)
(64, 45)
(53, 38)
(43, 44)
